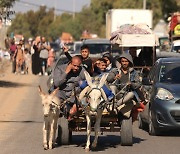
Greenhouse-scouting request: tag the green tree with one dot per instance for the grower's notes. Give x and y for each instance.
(53, 29)
(169, 6)
(32, 23)
(161, 9)
(20, 25)
(65, 23)
(61, 24)
(6, 3)
(132, 4)
(92, 18)
(46, 20)
(99, 9)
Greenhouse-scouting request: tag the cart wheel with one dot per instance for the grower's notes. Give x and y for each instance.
(141, 124)
(70, 136)
(64, 134)
(126, 132)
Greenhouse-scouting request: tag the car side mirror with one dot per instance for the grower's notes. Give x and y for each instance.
(146, 81)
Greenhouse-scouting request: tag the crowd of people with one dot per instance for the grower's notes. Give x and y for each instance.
(36, 55)
(32, 56)
(71, 76)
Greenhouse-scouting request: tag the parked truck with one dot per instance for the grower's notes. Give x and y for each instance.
(118, 17)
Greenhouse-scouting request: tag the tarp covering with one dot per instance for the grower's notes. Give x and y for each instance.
(134, 35)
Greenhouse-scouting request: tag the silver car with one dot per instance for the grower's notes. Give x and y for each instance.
(162, 89)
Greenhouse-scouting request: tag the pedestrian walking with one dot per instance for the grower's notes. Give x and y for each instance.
(44, 52)
(12, 50)
(19, 56)
(36, 65)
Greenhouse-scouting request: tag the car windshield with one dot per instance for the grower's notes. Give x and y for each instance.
(98, 48)
(55, 46)
(176, 48)
(78, 48)
(169, 73)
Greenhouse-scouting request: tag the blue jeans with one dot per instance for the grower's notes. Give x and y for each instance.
(107, 91)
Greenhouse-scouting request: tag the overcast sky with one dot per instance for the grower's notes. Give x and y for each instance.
(66, 5)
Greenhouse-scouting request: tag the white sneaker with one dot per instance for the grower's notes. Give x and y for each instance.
(46, 73)
(40, 74)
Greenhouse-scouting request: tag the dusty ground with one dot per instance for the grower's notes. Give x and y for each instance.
(13, 89)
(21, 122)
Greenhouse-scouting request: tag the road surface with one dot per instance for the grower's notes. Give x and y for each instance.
(21, 123)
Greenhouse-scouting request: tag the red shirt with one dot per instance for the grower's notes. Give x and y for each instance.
(13, 48)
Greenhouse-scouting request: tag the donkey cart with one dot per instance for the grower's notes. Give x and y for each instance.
(110, 119)
(104, 117)
(109, 122)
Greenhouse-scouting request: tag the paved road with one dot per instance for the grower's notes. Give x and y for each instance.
(21, 126)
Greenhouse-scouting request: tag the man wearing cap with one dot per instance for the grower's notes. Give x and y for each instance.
(128, 81)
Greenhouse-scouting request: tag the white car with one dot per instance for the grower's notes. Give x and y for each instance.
(77, 46)
(175, 47)
(98, 47)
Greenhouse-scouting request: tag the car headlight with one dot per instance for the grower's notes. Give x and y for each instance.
(164, 94)
(51, 81)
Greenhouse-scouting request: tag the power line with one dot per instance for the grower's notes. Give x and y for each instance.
(36, 5)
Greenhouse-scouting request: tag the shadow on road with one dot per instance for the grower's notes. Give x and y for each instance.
(14, 121)
(104, 142)
(8, 84)
(170, 133)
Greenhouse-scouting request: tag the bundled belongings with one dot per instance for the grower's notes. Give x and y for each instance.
(174, 26)
(134, 35)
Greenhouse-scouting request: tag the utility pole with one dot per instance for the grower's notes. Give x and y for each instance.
(55, 3)
(74, 9)
(144, 4)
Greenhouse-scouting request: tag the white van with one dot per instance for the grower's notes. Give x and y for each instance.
(77, 46)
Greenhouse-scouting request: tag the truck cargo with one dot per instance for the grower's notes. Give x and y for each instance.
(118, 17)
(174, 26)
(142, 42)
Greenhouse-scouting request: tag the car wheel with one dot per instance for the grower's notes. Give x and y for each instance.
(152, 130)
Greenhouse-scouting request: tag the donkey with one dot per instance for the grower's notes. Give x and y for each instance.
(92, 95)
(51, 110)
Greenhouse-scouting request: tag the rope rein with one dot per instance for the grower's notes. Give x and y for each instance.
(64, 102)
(102, 103)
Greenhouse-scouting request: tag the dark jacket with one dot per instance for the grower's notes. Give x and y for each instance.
(67, 82)
(87, 63)
(133, 75)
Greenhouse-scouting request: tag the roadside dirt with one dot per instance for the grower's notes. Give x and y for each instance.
(13, 89)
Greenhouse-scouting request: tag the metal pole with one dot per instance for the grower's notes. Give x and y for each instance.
(144, 4)
(55, 3)
(74, 9)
